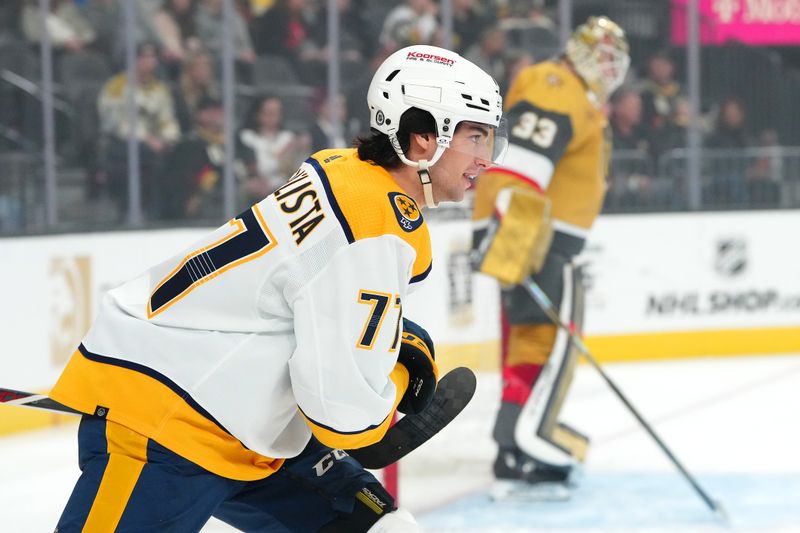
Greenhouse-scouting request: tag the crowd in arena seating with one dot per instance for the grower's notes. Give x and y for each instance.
(281, 55)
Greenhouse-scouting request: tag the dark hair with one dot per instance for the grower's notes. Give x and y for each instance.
(251, 118)
(621, 93)
(661, 53)
(145, 47)
(378, 149)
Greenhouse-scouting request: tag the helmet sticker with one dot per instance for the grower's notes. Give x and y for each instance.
(430, 58)
(406, 210)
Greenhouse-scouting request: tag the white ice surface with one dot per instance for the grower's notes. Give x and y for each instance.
(732, 422)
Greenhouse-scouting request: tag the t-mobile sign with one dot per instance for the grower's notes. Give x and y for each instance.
(767, 22)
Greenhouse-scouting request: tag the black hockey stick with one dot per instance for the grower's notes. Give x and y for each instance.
(453, 392)
(547, 306)
(38, 401)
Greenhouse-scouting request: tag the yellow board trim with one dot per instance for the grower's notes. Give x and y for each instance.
(16, 419)
(485, 356)
(688, 344)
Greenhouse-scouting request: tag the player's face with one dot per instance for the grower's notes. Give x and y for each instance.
(469, 153)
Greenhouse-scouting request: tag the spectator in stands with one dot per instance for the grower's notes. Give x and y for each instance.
(282, 30)
(68, 29)
(258, 7)
(489, 52)
(765, 176)
(195, 82)
(176, 28)
(156, 126)
(275, 148)
(673, 134)
(286, 30)
(626, 121)
(321, 130)
(209, 31)
(192, 178)
(470, 20)
(355, 43)
(413, 22)
(630, 176)
(660, 92)
(727, 187)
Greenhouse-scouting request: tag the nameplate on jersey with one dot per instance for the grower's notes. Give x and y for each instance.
(299, 199)
(406, 210)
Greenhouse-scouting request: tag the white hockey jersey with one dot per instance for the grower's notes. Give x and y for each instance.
(283, 322)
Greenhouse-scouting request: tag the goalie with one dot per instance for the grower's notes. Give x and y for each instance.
(532, 217)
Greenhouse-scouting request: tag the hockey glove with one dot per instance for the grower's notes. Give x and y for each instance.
(417, 355)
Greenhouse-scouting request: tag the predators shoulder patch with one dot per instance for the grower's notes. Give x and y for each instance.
(406, 210)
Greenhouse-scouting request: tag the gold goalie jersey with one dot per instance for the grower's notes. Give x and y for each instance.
(557, 144)
(284, 322)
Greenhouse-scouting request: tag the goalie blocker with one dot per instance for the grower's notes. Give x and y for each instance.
(513, 228)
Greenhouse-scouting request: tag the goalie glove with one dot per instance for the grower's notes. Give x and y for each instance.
(418, 357)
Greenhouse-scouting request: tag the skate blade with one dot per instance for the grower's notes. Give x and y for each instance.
(519, 491)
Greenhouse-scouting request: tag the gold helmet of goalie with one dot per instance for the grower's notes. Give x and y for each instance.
(598, 50)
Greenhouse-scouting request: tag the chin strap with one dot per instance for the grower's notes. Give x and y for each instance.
(425, 179)
(422, 165)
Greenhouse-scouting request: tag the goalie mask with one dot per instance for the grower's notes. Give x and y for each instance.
(452, 89)
(598, 50)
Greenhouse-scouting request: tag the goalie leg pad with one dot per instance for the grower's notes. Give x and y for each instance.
(537, 432)
(577, 443)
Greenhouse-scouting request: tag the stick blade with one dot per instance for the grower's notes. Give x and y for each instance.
(453, 392)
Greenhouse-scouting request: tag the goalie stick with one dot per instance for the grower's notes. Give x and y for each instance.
(453, 392)
(547, 306)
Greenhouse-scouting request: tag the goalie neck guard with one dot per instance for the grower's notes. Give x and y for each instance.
(449, 87)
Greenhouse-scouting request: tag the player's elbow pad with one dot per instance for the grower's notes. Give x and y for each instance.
(418, 357)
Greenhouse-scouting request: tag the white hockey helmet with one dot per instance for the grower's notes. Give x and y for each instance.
(449, 87)
(598, 50)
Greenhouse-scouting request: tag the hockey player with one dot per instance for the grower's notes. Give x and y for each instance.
(539, 207)
(226, 380)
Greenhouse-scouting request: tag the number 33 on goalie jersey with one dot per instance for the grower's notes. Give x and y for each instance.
(558, 143)
(283, 322)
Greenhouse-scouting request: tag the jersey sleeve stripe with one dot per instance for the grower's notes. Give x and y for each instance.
(517, 175)
(161, 378)
(421, 276)
(348, 232)
(535, 167)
